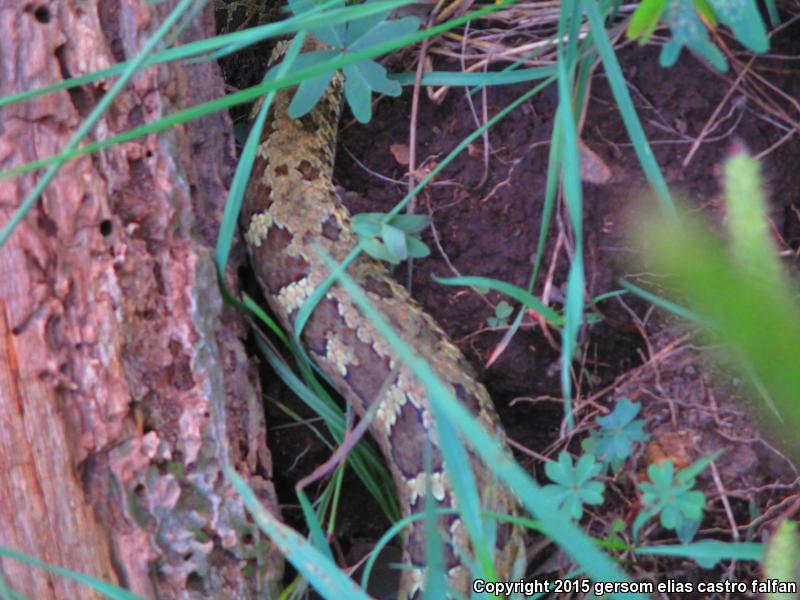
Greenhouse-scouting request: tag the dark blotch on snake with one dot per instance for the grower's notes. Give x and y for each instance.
(285, 269)
(378, 287)
(309, 171)
(409, 438)
(331, 229)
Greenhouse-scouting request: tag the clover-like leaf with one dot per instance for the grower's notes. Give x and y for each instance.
(619, 431)
(395, 240)
(358, 27)
(357, 93)
(574, 485)
(503, 310)
(690, 22)
(398, 236)
(361, 78)
(688, 30)
(334, 35)
(672, 498)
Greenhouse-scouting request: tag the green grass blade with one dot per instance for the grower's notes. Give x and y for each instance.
(105, 588)
(527, 299)
(314, 527)
(772, 11)
(782, 555)
(707, 551)
(667, 305)
(434, 552)
(391, 533)
(573, 194)
(462, 480)
(478, 79)
(322, 573)
(619, 89)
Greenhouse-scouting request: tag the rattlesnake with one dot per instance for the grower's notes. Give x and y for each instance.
(291, 212)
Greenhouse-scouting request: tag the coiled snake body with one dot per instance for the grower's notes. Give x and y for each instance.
(291, 210)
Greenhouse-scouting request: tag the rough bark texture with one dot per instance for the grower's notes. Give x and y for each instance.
(124, 386)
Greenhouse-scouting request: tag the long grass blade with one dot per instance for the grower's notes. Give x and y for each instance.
(619, 89)
(528, 300)
(105, 588)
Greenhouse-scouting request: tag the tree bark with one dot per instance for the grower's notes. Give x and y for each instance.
(124, 385)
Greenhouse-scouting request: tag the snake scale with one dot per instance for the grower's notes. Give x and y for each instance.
(291, 210)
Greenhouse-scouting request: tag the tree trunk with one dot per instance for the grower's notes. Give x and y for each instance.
(124, 385)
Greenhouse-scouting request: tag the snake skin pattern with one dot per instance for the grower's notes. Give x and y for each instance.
(291, 209)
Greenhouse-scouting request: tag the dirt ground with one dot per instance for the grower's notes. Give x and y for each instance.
(487, 218)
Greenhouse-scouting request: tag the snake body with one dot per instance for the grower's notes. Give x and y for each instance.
(291, 210)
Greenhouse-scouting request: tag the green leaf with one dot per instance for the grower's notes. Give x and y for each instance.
(374, 75)
(383, 32)
(679, 506)
(358, 27)
(688, 30)
(367, 224)
(503, 310)
(411, 223)
(333, 35)
(358, 93)
(744, 19)
(310, 90)
(574, 486)
(417, 248)
(307, 95)
(618, 433)
(706, 12)
(395, 241)
(686, 530)
(645, 20)
(376, 249)
(688, 474)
